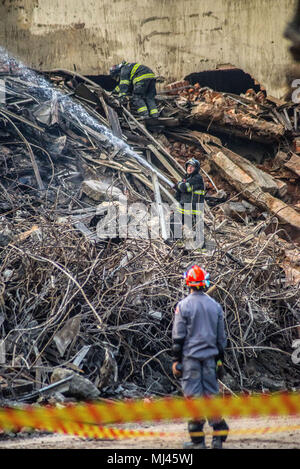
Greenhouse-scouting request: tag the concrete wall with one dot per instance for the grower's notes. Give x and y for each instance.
(174, 37)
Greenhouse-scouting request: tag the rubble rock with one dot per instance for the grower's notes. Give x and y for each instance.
(176, 86)
(292, 273)
(291, 266)
(272, 384)
(101, 191)
(237, 210)
(79, 387)
(296, 145)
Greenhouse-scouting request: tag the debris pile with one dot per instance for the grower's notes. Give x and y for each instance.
(104, 311)
(84, 316)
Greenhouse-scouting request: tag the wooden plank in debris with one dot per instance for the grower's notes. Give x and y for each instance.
(294, 164)
(164, 161)
(2, 92)
(168, 195)
(114, 122)
(155, 142)
(82, 91)
(158, 201)
(230, 130)
(289, 124)
(85, 231)
(281, 118)
(31, 154)
(208, 113)
(277, 101)
(102, 138)
(21, 119)
(281, 210)
(245, 184)
(132, 169)
(112, 118)
(2, 352)
(26, 234)
(264, 180)
(295, 118)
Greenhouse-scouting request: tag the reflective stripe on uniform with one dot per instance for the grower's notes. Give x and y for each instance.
(124, 82)
(142, 109)
(199, 192)
(189, 188)
(122, 94)
(154, 111)
(188, 212)
(134, 69)
(143, 77)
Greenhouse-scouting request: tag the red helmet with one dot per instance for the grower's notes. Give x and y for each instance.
(116, 69)
(195, 276)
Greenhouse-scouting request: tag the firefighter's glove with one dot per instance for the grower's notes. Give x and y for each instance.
(220, 370)
(124, 100)
(177, 370)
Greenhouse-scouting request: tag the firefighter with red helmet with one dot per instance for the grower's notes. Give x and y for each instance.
(139, 81)
(198, 343)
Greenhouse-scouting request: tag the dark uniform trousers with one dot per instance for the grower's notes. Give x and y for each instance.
(143, 95)
(199, 326)
(190, 195)
(139, 80)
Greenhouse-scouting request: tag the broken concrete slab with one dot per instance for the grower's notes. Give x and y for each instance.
(101, 191)
(239, 209)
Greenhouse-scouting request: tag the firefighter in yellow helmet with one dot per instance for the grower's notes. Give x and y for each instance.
(139, 81)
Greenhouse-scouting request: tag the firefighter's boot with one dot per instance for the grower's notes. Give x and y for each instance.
(217, 442)
(195, 429)
(191, 445)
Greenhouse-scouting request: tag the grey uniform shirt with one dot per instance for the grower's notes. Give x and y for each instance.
(199, 324)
